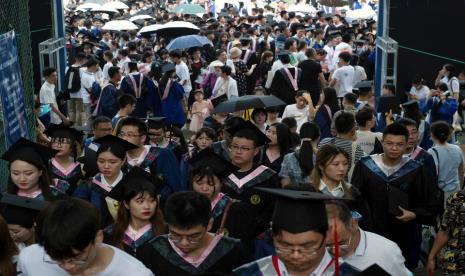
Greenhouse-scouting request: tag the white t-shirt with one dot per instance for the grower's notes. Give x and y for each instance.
(300, 115)
(329, 57)
(453, 84)
(359, 74)
(340, 48)
(47, 96)
(87, 79)
(107, 66)
(31, 263)
(183, 73)
(368, 253)
(421, 93)
(366, 140)
(344, 77)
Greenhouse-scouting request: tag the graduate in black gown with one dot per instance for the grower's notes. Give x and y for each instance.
(286, 80)
(400, 193)
(139, 216)
(246, 143)
(230, 217)
(189, 249)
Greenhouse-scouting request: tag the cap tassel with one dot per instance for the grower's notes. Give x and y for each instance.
(336, 249)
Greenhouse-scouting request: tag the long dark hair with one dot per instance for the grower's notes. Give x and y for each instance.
(208, 131)
(45, 181)
(8, 249)
(123, 216)
(164, 79)
(309, 132)
(331, 99)
(413, 112)
(283, 135)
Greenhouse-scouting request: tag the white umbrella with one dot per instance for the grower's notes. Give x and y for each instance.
(88, 6)
(302, 8)
(364, 13)
(104, 10)
(150, 29)
(140, 17)
(178, 28)
(116, 5)
(120, 25)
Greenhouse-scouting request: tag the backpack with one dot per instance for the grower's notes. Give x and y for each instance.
(95, 91)
(72, 80)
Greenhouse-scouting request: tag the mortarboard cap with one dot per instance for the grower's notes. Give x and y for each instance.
(135, 180)
(328, 16)
(208, 161)
(168, 67)
(244, 25)
(28, 151)
(370, 21)
(156, 122)
(410, 103)
(283, 53)
(245, 40)
(20, 210)
(299, 209)
(334, 32)
(115, 142)
(373, 269)
(256, 134)
(217, 100)
(386, 103)
(62, 131)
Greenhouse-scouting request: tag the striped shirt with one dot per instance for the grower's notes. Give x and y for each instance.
(346, 145)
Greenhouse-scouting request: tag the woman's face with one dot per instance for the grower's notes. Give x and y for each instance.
(108, 164)
(142, 206)
(198, 97)
(207, 188)
(224, 38)
(336, 169)
(272, 135)
(260, 118)
(203, 141)
(25, 176)
(63, 146)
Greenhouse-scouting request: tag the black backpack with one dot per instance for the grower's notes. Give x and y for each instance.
(72, 80)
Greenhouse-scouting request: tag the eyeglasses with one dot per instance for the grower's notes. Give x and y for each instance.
(240, 149)
(303, 251)
(192, 239)
(130, 135)
(76, 262)
(61, 141)
(341, 245)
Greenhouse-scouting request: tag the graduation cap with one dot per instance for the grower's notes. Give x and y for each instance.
(364, 85)
(62, 131)
(217, 100)
(28, 151)
(156, 122)
(168, 67)
(259, 137)
(299, 209)
(334, 32)
(386, 103)
(373, 269)
(112, 141)
(328, 16)
(370, 21)
(135, 180)
(244, 25)
(245, 40)
(20, 210)
(208, 161)
(410, 103)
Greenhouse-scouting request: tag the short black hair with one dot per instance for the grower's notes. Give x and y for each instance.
(226, 69)
(248, 134)
(100, 120)
(125, 100)
(346, 57)
(289, 121)
(176, 54)
(91, 62)
(80, 219)
(187, 209)
(351, 98)
(407, 122)
(363, 116)
(112, 71)
(344, 122)
(48, 71)
(133, 121)
(441, 130)
(396, 129)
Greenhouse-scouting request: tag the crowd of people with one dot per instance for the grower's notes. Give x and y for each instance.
(135, 173)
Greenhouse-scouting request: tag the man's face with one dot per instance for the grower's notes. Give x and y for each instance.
(132, 135)
(300, 102)
(346, 237)
(156, 136)
(242, 151)
(102, 129)
(301, 251)
(412, 136)
(82, 260)
(187, 240)
(394, 146)
(53, 78)
(106, 36)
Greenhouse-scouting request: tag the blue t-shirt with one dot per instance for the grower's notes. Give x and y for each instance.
(450, 158)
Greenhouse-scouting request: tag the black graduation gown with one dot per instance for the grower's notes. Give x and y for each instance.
(281, 86)
(260, 205)
(162, 259)
(252, 79)
(411, 178)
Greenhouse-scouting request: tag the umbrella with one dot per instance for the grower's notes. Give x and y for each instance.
(189, 9)
(89, 6)
(302, 8)
(104, 10)
(177, 28)
(100, 2)
(116, 5)
(140, 17)
(147, 30)
(187, 41)
(247, 102)
(120, 25)
(334, 3)
(366, 13)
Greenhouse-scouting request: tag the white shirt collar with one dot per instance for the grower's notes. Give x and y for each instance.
(323, 266)
(117, 180)
(336, 191)
(362, 244)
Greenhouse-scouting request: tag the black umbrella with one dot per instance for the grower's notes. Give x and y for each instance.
(334, 3)
(247, 102)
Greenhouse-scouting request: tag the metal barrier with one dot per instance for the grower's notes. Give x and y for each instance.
(49, 55)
